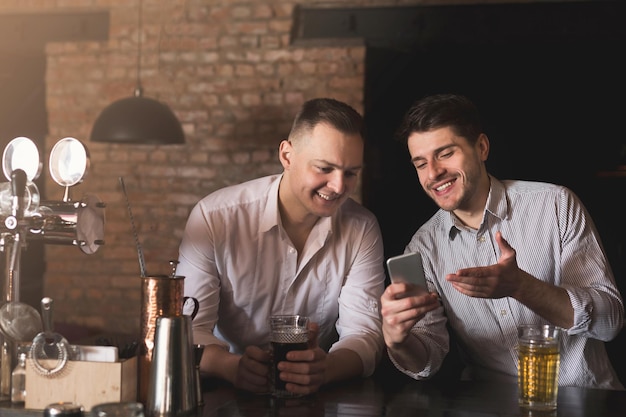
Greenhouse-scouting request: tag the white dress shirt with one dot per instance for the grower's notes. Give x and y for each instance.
(242, 267)
(555, 241)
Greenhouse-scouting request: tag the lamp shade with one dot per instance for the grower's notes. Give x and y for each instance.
(138, 120)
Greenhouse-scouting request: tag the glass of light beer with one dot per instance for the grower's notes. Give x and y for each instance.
(288, 332)
(538, 366)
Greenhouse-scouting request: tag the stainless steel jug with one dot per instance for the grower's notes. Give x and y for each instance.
(172, 390)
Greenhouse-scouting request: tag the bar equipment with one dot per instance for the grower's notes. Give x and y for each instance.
(142, 261)
(172, 390)
(19, 322)
(198, 350)
(64, 409)
(118, 409)
(49, 346)
(25, 217)
(161, 296)
(18, 378)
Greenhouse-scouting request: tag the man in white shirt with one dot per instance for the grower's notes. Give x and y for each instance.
(498, 254)
(293, 243)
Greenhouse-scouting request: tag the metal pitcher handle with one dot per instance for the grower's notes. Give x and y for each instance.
(196, 305)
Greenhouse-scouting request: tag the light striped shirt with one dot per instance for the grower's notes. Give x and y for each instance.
(555, 241)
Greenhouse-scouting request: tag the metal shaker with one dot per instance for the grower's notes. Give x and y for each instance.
(172, 390)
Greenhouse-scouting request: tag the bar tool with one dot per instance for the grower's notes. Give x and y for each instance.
(49, 351)
(172, 385)
(142, 262)
(19, 321)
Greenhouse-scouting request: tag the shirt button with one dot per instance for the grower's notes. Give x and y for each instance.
(291, 250)
(503, 313)
(481, 238)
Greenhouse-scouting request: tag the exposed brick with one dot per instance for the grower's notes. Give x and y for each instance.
(228, 71)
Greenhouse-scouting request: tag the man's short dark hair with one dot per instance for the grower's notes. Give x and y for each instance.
(442, 110)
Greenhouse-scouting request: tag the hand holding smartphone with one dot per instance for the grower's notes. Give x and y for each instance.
(407, 268)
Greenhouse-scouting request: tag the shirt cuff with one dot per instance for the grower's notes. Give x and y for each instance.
(582, 303)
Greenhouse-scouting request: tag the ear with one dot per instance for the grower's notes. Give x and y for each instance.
(285, 153)
(483, 146)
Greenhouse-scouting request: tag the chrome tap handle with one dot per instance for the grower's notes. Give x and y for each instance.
(18, 189)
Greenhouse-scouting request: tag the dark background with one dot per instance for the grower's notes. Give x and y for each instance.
(549, 82)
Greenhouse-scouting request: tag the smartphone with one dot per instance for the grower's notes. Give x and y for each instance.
(407, 268)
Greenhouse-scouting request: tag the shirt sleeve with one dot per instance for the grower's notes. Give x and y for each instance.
(586, 274)
(432, 333)
(197, 264)
(359, 323)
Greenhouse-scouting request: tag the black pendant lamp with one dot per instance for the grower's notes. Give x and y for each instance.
(138, 119)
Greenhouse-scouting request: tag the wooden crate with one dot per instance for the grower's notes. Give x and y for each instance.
(82, 382)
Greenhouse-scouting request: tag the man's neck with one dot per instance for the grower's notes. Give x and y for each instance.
(297, 223)
(473, 215)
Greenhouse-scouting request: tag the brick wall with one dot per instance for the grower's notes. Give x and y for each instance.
(228, 71)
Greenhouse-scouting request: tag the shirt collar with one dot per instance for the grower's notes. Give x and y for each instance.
(270, 217)
(497, 201)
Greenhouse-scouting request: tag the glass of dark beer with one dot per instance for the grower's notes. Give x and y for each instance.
(288, 332)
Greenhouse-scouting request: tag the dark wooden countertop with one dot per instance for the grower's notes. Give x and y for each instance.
(375, 398)
(388, 395)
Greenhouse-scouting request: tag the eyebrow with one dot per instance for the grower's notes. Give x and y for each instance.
(437, 151)
(325, 162)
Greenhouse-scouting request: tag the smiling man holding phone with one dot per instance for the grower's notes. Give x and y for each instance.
(499, 254)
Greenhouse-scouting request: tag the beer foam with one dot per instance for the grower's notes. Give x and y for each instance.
(290, 335)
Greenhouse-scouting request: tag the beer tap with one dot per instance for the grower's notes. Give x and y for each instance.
(23, 216)
(13, 222)
(18, 189)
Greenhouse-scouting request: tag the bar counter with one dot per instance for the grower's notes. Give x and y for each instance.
(374, 397)
(377, 397)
